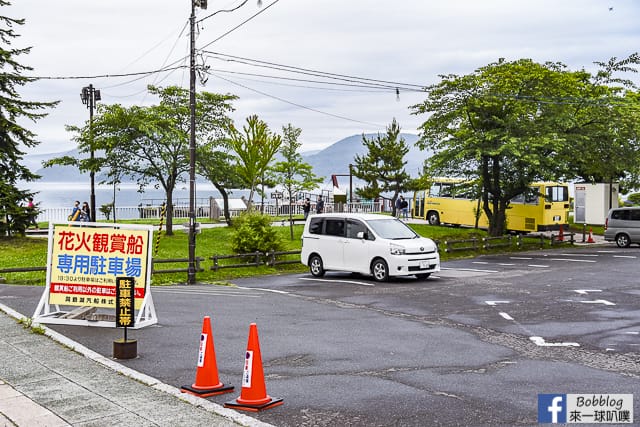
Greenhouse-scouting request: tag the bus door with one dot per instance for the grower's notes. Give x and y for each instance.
(418, 204)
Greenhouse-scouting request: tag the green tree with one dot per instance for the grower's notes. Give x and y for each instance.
(13, 136)
(509, 124)
(382, 167)
(217, 165)
(151, 144)
(254, 150)
(292, 172)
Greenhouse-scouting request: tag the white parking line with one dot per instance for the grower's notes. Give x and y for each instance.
(520, 257)
(585, 291)
(505, 264)
(470, 269)
(571, 260)
(598, 301)
(338, 281)
(542, 343)
(496, 302)
(625, 256)
(538, 266)
(583, 255)
(505, 315)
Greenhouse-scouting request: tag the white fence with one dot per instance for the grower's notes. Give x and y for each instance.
(203, 211)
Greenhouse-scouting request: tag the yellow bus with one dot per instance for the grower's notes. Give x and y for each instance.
(454, 201)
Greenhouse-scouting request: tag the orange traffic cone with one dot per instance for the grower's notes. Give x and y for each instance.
(590, 239)
(253, 396)
(207, 382)
(561, 234)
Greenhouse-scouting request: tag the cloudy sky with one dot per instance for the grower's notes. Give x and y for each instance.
(401, 43)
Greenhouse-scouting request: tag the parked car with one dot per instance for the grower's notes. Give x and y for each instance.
(373, 244)
(623, 226)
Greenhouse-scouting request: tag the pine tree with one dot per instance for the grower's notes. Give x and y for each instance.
(14, 137)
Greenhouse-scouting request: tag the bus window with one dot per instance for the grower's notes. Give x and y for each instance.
(434, 191)
(557, 193)
(531, 196)
(446, 190)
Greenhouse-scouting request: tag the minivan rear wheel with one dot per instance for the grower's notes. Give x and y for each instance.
(315, 266)
(380, 270)
(622, 240)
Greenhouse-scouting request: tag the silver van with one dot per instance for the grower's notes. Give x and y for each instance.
(379, 245)
(623, 226)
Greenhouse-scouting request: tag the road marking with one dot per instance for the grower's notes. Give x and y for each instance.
(571, 260)
(469, 269)
(480, 262)
(520, 257)
(607, 252)
(505, 315)
(625, 256)
(598, 301)
(585, 291)
(583, 255)
(633, 333)
(276, 291)
(542, 343)
(493, 303)
(505, 263)
(338, 281)
(221, 293)
(538, 266)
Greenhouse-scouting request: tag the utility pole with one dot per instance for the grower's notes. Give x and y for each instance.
(191, 272)
(90, 96)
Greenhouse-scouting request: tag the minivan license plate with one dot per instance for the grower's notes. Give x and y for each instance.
(424, 264)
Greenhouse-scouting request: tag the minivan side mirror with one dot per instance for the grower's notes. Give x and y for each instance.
(361, 235)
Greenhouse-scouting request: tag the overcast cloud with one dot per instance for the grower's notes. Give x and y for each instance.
(404, 41)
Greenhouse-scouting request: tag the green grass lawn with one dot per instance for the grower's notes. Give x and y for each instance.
(32, 252)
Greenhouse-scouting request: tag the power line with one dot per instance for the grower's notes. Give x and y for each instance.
(299, 105)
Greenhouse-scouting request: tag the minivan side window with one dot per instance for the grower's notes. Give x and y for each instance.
(635, 214)
(315, 226)
(354, 227)
(621, 214)
(334, 227)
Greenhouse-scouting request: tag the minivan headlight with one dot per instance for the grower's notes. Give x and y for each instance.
(396, 249)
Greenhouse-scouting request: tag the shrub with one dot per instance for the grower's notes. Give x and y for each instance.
(253, 232)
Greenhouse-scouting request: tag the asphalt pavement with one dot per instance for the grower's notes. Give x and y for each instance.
(46, 379)
(49, 380)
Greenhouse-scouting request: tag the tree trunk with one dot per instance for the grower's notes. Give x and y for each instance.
(169, 228)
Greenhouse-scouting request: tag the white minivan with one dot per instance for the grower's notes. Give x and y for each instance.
(380, 245)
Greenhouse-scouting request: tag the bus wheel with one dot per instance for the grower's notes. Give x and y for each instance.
(433, 218)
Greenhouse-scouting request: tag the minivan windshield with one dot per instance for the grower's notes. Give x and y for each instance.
(391, 228)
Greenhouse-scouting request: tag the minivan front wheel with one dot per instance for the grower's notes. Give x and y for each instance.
(622, 240)
(315, 266)
(380, 270)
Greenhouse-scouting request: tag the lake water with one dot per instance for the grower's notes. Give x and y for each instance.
(56, 198)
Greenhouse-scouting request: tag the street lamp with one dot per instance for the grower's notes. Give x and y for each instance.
(90, 96)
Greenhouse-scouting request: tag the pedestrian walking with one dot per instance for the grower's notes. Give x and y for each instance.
(398, 206)
(306, 208)
(404, 205)
(85, 212)
(32, 214)
(319, 205)
(75, 213)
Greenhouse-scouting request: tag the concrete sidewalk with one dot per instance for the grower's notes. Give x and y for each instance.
(49, 380)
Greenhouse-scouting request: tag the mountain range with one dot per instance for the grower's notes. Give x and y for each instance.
(334, 159)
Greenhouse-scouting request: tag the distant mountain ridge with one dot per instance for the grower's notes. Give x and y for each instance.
(334, 159)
